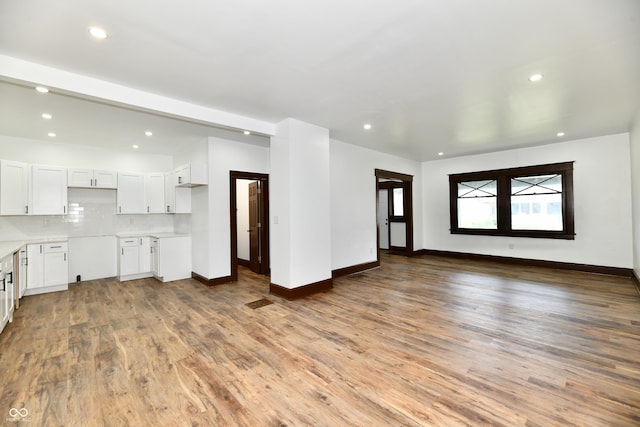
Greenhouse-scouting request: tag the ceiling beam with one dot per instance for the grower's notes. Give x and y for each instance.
(91, 88)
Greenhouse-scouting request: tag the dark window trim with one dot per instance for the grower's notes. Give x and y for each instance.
(503, 178)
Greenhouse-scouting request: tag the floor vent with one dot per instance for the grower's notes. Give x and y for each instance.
(259, 303)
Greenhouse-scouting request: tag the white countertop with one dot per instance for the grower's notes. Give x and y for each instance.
(9, 247)
(152, 234)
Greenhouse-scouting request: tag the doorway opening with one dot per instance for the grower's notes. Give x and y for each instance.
(394, 204)
(249, 214)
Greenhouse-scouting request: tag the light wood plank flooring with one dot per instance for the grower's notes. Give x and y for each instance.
(422, 341)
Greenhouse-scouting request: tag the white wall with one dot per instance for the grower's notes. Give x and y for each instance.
(602, 201)
(353, 201)
(225, 156)
(635, 187)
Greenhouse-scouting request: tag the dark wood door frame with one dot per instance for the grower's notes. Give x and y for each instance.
(407, 185)
(233, 219)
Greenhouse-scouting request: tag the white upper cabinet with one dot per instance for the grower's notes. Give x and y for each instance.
(14, 188)
(105, 179)
(131, 193)
(177, 199)
(49, 190)
(92, 178)
(155, 193)
(191, 175)
(170, 192)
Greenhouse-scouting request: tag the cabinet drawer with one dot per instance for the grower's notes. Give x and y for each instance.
(133, 241)
(55, 247)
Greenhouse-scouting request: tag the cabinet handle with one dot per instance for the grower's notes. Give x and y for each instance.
(55, 247)
(168, 209)
(4, 284)
(40, 248)
(10, 277)
(148, 209)
(141, 241)
(65, 256)
(122, 250)
(179, 180)
(64, 209)
(26, 209)
(120, 209)
(95, 182)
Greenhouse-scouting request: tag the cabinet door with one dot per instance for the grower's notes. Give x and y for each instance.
(131, 197)
(129, 260)
(4, 296)
(35, 266)
(56, 269)
(49, 190)
(105, 179)
(170, 192)
(22, 272)
(82, 178)
(155, 255)
(14, 188)
(155, 193)
(183, 175)
(144, 254)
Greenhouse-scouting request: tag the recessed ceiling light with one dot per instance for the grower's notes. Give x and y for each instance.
(441, 154)
(98, 33)
(47, 116)
(52, 134)
(42, 89)
(367, 126)
(560, 134)
(535, 77)
(135, 146)
(246, 132)
(148, 133)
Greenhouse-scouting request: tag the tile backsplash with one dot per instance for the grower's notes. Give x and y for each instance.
(92, 212)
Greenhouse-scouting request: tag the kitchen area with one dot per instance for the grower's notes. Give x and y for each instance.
(61, 225)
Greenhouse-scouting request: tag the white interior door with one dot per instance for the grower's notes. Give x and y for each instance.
(383, 218)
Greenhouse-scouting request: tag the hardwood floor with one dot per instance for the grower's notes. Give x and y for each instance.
(421, 341)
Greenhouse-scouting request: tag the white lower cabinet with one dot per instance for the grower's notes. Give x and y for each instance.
(134, 258)
(6, 291)
(171, 258)
(47, 267)
(154, 256)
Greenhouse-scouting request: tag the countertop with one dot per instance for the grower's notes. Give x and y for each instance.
(152, 234)
(9, 247)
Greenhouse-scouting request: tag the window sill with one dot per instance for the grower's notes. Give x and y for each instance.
(520, 233)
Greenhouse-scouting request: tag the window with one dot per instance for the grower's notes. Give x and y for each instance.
(477, 204)
(398, 202)
(533, 201)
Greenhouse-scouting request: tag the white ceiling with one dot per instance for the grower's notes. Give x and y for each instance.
(429, 75)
